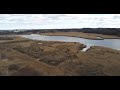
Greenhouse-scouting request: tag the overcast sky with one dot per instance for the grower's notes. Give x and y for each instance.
(49, 21)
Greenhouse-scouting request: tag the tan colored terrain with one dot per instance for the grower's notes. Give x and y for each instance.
(82, 35)
(14, 39)
(46, 58)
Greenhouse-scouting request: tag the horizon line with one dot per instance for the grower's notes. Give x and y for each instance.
(55, 28)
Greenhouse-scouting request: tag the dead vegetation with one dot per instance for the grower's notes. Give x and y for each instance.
(82, 35)
(52, 54)
(6, 38)
(29, 58)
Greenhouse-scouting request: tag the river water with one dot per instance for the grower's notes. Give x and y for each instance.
(110, 43)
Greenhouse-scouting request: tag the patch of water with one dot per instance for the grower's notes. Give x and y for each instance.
(110, 43)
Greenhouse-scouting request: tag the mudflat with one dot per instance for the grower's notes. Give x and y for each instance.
(24, 57)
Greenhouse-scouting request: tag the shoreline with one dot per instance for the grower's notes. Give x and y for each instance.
(46, 58)
(90, 36)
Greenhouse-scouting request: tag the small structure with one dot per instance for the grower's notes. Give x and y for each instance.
(39, 43)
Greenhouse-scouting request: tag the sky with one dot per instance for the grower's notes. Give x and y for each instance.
(58, 21)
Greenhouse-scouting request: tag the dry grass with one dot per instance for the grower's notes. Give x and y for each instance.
(28, 58)
(82, 35)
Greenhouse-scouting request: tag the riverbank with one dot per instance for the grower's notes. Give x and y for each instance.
(51, 58)
(91, 36)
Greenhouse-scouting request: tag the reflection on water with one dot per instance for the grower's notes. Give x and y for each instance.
(111, 43)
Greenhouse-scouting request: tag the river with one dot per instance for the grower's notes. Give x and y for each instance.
(110, 43)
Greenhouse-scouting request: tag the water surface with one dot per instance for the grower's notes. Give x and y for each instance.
(110, 43)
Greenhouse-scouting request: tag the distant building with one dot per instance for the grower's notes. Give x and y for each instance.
(18, 30)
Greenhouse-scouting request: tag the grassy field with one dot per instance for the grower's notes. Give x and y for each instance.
(82, 35)
(23, 57)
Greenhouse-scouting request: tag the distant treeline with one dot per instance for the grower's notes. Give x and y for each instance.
(106, 31)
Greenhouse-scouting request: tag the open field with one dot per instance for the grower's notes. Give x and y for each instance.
(23, 57)
(82, 35)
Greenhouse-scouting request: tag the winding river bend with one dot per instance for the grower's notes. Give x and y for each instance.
(110, 43)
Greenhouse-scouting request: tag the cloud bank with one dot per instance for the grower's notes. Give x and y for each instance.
(51, 21)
